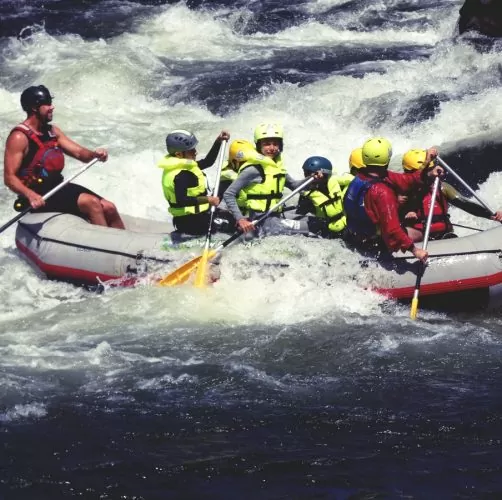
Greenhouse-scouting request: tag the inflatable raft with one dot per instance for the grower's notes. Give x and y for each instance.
(461, 274)
(464, 272)
(65, 247)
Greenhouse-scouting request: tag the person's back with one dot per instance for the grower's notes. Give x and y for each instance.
(371, 203)
(228, 175)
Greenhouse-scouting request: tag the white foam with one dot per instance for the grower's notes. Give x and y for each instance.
(20, 412)
(107, 93)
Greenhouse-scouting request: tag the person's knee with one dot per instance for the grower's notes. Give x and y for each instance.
(415, 235)
(88, 203)
(109, 208)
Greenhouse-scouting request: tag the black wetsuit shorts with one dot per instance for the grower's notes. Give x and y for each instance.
(65, 200)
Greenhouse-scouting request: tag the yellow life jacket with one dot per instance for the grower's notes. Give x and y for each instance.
(172, 166)
(260, 196)
(330, 206)
(228, 173)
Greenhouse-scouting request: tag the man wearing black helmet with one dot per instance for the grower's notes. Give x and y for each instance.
(184, 183)
(34, 160)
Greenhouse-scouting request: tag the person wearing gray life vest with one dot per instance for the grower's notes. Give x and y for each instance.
(34, 161)
(185, 186)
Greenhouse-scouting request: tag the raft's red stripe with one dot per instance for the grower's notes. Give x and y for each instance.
(68, 273)
(443, 287)
(64, 273)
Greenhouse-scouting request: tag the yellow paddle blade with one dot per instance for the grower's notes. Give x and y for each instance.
(414, 306)
(201, 276)
(182, 274)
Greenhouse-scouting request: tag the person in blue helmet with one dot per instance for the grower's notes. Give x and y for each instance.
(324, 199)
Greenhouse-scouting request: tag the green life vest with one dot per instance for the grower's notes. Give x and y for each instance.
(260, 196)
(330, 206)
(228, 173)
(172, 166)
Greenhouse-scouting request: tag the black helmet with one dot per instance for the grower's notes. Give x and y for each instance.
(33, 97)
(180, 140)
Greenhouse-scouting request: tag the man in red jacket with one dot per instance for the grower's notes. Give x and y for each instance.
(371, 204)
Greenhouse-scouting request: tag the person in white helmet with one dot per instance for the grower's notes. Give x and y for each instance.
(261, 179)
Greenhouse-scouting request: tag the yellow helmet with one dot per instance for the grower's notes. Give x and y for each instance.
(377, 152)
(356, 159)
(241, 150)
(268, 131)
(414, 159)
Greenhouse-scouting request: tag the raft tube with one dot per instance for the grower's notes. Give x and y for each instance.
(67, 248)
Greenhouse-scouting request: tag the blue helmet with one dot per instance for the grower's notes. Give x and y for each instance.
(316, 163)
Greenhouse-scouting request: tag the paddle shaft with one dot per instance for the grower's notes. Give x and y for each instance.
(265, 215)
(181, 274)
(215, 193)
(452, 172)
(424, 246)
(431, 213)
(46, 196)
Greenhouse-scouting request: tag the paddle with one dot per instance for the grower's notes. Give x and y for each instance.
(200, 278)
(447, 167)
(183, 273)
(421, 270)
(49, 194)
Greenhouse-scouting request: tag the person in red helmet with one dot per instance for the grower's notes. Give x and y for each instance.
(34, 161)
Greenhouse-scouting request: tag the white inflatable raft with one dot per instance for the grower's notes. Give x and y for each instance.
(467, 270)
(67, 248)
(461, 274)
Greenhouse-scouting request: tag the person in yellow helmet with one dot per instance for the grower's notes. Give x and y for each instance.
(184, 184)
(269, 140)
(371, 205)
(261, 179)
(229, 170)
(356, 161)
(416, 207)
(325, 199)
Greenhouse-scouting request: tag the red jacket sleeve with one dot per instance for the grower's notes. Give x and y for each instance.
(381, 206)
